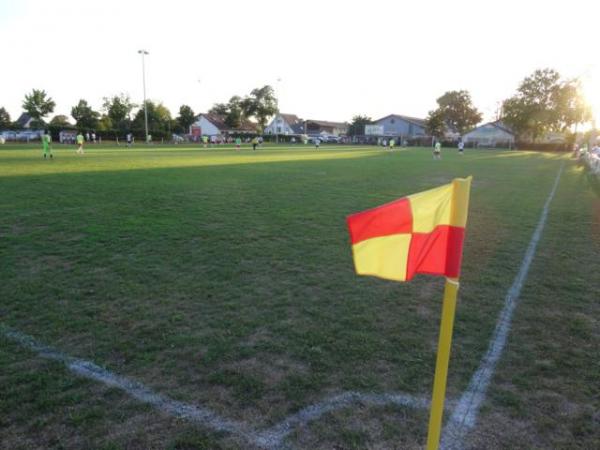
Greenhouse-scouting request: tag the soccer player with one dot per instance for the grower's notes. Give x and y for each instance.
(129, 140)
(47, 144)
(392, 143)
(238, 143)
(80, 140)
(205, 141)
(254, 142)
(461, 147)
(317, 143)
(437, 150)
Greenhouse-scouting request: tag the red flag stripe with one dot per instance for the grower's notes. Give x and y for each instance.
(436, 253)
(391, 218)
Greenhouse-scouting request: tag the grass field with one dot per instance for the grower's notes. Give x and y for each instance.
(225, 279)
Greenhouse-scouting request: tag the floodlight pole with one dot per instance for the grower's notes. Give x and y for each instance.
(276, 129)
(143, 53)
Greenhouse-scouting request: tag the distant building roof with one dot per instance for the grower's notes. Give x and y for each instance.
(23, 120)
(497, 124)
(219, 121)
(414, 120)
(502, 126)
(326, 123)
(291, 119)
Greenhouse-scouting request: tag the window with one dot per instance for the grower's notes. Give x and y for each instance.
(392, 121)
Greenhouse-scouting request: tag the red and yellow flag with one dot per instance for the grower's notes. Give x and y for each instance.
(421, 233)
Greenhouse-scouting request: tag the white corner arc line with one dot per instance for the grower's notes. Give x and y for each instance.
(465, 413)
(273, 437)
(270, 438)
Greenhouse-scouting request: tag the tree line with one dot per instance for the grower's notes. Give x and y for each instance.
(120, 115)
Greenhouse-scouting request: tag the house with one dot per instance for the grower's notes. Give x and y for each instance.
(492, 134)
(287, 124)
(325, 127)
(403, 126)
(214, 125)
(24, 121)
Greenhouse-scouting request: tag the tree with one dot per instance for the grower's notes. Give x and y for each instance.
(38, 105)
(186, 117)
(104, 124)
(260, 104)
(236, 114)
(85, 117)
(233, 112)
(435, 124)
(544, 103)
(5, 121)
(571, 105)
(159, 118)
(220, 109)
(458, 111)
(118, 108)
(357, 126)
(60, 121)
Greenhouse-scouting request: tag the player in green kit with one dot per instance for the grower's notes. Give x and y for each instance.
(79, 140)
(238, 143)
(47, 144)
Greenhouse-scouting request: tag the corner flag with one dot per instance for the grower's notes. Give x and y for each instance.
(422, 233)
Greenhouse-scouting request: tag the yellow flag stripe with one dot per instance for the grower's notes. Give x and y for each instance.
(460, 201)
(384, 257)
(431, 208)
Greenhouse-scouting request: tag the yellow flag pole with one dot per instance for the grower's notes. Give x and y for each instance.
(441, 366)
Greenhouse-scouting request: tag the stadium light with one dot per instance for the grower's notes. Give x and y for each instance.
(278, 91)
(144, 53)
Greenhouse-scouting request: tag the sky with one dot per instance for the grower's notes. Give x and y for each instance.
(327, 59)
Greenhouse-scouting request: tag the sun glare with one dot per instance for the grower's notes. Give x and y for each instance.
(591, 91)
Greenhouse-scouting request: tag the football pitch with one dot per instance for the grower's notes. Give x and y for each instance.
(221, 282)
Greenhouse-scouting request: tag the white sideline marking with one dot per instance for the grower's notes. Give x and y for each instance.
(270, 438)
(465, 413)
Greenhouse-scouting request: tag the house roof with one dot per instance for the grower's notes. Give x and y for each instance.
(414, 120)
(497, 124)
(502, 126)
(291, 119)
(219, 122)
(298, 128)
(326, 123)
(23, 119)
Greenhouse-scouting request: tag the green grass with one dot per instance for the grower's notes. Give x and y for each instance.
(225, 279)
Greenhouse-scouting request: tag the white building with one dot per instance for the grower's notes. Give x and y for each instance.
(285, 124)
(214, 125)
(493, 134)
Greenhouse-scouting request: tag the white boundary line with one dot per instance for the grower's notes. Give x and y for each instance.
(270, 438)
(464, 417)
